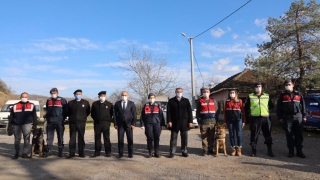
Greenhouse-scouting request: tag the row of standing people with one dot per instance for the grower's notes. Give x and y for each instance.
(290, 111)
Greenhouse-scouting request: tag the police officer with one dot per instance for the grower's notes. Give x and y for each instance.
(78, 111)
(56, 107)
(101, 113)
(257, 108)
(153, 120)
(291, 113)
(207, 116)
(23, 117)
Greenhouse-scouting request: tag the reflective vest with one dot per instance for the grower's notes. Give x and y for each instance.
(259, 105)
(207, 110)
(290, 106)
(23, 113)
(233, 110)
(151, 115)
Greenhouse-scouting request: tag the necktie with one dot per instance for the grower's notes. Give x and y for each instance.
(124, 105)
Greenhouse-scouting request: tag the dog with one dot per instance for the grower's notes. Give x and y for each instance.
(38, 144)
(220, 139)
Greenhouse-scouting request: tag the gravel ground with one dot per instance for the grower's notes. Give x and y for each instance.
(140, 167)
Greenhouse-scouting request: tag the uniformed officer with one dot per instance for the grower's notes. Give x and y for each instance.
(78, 111)
(56, 107)
(291, 113)
(207, 116)
(257, 107)
(153, 120)
(101, 113)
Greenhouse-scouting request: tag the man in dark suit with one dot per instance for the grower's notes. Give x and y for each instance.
(179, 117)
(125, 117)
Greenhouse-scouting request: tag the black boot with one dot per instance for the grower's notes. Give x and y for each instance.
(156, 153)
(300, 153)
(270, 153)
(49, 153)
(71, 155)
(60, 152)
(291, 153)
(254, 151)
(150, 154)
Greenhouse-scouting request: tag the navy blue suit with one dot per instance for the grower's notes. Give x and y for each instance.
(124, 119)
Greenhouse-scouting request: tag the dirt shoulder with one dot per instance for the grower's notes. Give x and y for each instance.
(140, 167)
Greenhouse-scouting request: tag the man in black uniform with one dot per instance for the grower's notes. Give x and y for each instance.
(101, 113)
(78, 111)
(291, 113)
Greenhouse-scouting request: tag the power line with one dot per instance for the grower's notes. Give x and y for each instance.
(223, 19)
(198, 66)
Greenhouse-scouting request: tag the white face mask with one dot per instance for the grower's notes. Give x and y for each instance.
(102, 98)
(258, 89)
(288, 88)
(124, 98)
(233, 95)
(205, 94)
(54, 96)
(179, 95)
(152, 100)
(24, 99)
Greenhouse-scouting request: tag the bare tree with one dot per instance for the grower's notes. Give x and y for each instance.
(148, 72)
(115, 96)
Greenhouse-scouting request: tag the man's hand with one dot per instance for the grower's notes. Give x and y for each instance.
(116, 127)
(304, 120)
(190, 125)
(243, 124)
(281, 121)
(170, 124)
(132, 127)
(142, 127)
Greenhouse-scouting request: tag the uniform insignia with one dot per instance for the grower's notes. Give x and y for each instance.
(106, 107)
(82, 105)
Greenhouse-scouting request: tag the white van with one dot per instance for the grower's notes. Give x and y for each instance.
(5, 110)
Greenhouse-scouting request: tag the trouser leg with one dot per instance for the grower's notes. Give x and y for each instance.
(298, 134)
(173, 141)
(26, 131)
(81, 131)
(129, 134)
(120, 140)
(72, 141)
(231, 129)
(60, 133)
(17, 137)
(149, 133)
(106, 137)
(266, 130)
(239, 133)
(97, 138)
(255, 129)
(50, 134)
(156, 134)
(184, 141)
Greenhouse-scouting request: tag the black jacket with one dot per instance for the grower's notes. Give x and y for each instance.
(23, 113)
(152, 117)
(78, 111)
(129, 115)
(179, 113)
(102, 112)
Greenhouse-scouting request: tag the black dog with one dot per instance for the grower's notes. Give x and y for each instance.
(38, 146)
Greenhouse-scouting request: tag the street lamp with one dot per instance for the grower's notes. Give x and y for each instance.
(193, 103)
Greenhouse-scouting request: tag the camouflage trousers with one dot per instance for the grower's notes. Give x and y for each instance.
(207, 131)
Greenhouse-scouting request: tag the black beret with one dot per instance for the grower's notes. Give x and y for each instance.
(151, 94)
(256, 84)
(53, 89)
(287, 81)
(78, 90)
(102, 92)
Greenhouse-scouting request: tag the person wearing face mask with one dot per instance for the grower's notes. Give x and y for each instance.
(257, 108)
(153, 120)
(207, 115)
(125, 117)
(179, 117)
(291, 113)
(235, 119)
(23, 117)
(56, 108)
(78, 111)
(101, 113)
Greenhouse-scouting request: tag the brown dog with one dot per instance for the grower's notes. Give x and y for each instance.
(220, 135)
(38, 143)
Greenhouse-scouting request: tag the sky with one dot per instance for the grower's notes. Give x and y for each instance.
(76, 44)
